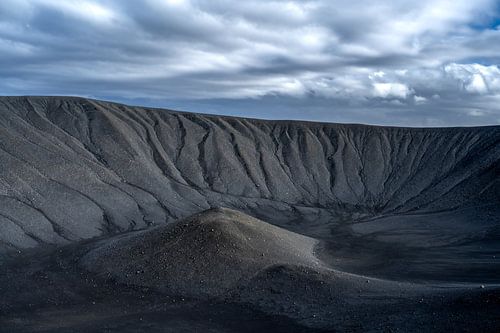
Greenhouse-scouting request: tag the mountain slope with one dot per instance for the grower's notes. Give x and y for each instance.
(204, 255)
(75, 168)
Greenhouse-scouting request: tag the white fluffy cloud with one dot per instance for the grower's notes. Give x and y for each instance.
(385, 90)
(439, 55)
(475, 78)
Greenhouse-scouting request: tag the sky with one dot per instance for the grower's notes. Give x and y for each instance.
(403, 63)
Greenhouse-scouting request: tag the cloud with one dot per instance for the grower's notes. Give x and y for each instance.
(476, 78)
(419, 99)
(426, 61)
(385, 90)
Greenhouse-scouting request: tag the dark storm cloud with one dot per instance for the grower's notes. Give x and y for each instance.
(400, 62)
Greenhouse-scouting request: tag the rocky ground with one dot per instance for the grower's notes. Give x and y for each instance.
(223, 271)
